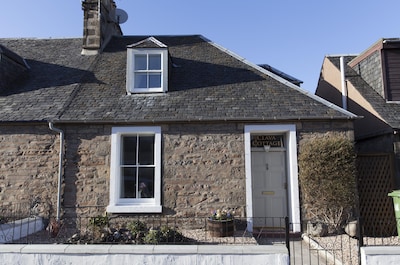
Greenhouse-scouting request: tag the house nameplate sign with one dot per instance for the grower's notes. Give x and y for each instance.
(267, 140)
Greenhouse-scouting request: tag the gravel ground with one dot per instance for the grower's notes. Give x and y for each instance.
(345, 248)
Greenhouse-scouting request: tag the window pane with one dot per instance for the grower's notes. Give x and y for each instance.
(128, 183)
(154, 61)
(146, 150)
(146, 182)
(129, 150)
(155, 80)
(140, 80)
(140, 62)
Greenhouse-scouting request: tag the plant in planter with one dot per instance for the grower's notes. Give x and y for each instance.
(221, 223)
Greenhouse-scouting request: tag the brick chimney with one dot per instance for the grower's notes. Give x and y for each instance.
(99, 25)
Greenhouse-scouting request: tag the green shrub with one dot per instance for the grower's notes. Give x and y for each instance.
(152, 237)
(168, 235)
(137, 227)
(99, 221)
(327, 175)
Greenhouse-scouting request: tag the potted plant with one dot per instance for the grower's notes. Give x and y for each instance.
(220, 223)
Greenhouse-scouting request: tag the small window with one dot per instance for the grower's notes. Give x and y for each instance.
(147, 70)
(135, 184)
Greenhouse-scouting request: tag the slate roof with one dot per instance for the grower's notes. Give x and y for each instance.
(206, 83)
(389, 111)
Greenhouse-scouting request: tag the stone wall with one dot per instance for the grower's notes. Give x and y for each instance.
(87, 169)
(29, 167)
(203, 169)
(203, 166)
(98, 28)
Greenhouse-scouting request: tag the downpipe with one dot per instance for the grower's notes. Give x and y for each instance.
(343, 82)
(60, 167)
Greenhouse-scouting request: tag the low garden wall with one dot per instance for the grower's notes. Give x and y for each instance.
(20, 228)
(144, 254)
(380, 255)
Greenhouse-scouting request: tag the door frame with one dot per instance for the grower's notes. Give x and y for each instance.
(289, 131)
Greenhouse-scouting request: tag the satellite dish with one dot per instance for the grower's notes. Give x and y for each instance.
(120, 16)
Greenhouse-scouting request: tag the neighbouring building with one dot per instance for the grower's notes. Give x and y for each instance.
(368, 85)
(159, 125)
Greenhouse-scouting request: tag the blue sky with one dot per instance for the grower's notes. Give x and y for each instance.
(291, 35)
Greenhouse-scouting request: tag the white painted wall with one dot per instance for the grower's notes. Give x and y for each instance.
(20, 228)
(380, 255)
(144, 254)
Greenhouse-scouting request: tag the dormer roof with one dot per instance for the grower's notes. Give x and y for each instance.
(149, 42)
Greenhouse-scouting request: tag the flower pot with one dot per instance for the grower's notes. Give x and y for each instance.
(221, 228)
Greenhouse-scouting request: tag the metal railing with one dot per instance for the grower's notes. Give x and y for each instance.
(315, 244)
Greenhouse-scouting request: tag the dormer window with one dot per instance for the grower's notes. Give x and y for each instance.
(147, 67)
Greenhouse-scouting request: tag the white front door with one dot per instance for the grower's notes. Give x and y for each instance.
(268, 168)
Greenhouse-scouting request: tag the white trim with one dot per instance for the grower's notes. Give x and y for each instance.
(151, 39)
(118, 205)
(281, 80)
(293, 183)
(130, 89)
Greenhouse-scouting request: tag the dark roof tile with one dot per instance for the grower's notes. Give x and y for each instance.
(206, 83)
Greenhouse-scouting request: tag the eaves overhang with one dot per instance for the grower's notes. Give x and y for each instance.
(207, 120)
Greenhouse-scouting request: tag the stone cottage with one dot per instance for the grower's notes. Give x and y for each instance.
(161, 125)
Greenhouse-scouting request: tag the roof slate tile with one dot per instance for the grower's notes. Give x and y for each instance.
(205, 83)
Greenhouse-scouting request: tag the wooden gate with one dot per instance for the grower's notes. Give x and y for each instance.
(375, 181)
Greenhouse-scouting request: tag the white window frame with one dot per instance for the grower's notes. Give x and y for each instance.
(124, 205)
(130, 70)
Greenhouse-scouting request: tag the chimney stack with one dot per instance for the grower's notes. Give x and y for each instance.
(99, 25)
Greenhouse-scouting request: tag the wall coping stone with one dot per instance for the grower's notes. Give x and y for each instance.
(144, 249)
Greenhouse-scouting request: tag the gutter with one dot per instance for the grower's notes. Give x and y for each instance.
(60, 167)
(274, 119)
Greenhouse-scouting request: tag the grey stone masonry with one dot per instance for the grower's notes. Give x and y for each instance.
(203, 169)
(99, 24)
(203, 166)
(29, 166)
